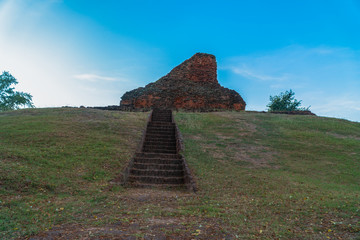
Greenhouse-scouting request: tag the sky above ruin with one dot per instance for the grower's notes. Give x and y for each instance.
(77, 52)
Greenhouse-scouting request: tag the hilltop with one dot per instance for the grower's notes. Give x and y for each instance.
(260, 176)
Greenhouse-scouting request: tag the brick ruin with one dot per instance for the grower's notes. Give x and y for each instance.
(192, 85)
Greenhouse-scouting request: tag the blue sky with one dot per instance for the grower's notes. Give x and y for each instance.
(91, 52)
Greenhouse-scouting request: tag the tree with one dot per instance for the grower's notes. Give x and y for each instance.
(285, 102)
(9, 98)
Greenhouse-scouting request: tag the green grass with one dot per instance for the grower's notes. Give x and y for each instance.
(277, 176)
(55, 164)
(260, 176)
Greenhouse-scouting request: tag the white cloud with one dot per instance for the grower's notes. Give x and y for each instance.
(257, 75)
(295, 63)
(322, 51)
(96, 78)
(338, 104)
(327, 78)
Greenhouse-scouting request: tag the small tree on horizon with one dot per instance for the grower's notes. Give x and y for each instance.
(9, 98)
(285, 102)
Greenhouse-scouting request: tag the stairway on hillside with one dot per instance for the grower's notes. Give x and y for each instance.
(159, 163)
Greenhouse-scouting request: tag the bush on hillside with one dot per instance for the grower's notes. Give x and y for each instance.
(285, 102)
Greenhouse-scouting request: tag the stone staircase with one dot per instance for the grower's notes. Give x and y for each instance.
(159, 163)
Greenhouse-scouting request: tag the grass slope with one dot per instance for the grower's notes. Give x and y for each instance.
(55, 164)
(261, 176)
(277, 176)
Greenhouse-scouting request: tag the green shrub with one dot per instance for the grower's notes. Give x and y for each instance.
(285, 102)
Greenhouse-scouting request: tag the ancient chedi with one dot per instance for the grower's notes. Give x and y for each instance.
(192, 85)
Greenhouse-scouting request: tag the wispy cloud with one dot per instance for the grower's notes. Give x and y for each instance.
(332, 71)
(96, 78)
(343, 106)
(338, 104)
(257, 75)
(295, 63)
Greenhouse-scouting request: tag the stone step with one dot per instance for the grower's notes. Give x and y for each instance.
(159, 141)
(157, 172)
(161, 115)
(161, 131)
(156, 144)
(161, 124)
(162, 120)
(159, 148)
(171, 147)
(165, 116)
(162, 111)
(157, 161)
(149, 142)
(159, 151)
(154, 129)
(160, 135)
(158, 155)
(178, 166)
(179, 186)
(165, 127)
(156, 180)
(163, 137)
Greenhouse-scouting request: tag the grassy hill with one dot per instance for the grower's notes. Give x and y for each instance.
(262, 176)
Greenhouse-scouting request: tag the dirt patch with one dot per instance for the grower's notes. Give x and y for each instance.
(344, 136)
(257, 156)
(244, 126)
(213, 150)
(140, 226)
(134, 195)
(165, 228)
(195, 137)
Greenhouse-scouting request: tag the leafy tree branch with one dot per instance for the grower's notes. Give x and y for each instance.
(9, 98)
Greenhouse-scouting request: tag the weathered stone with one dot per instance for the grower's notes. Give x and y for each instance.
(200, 68)
(191, 85)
